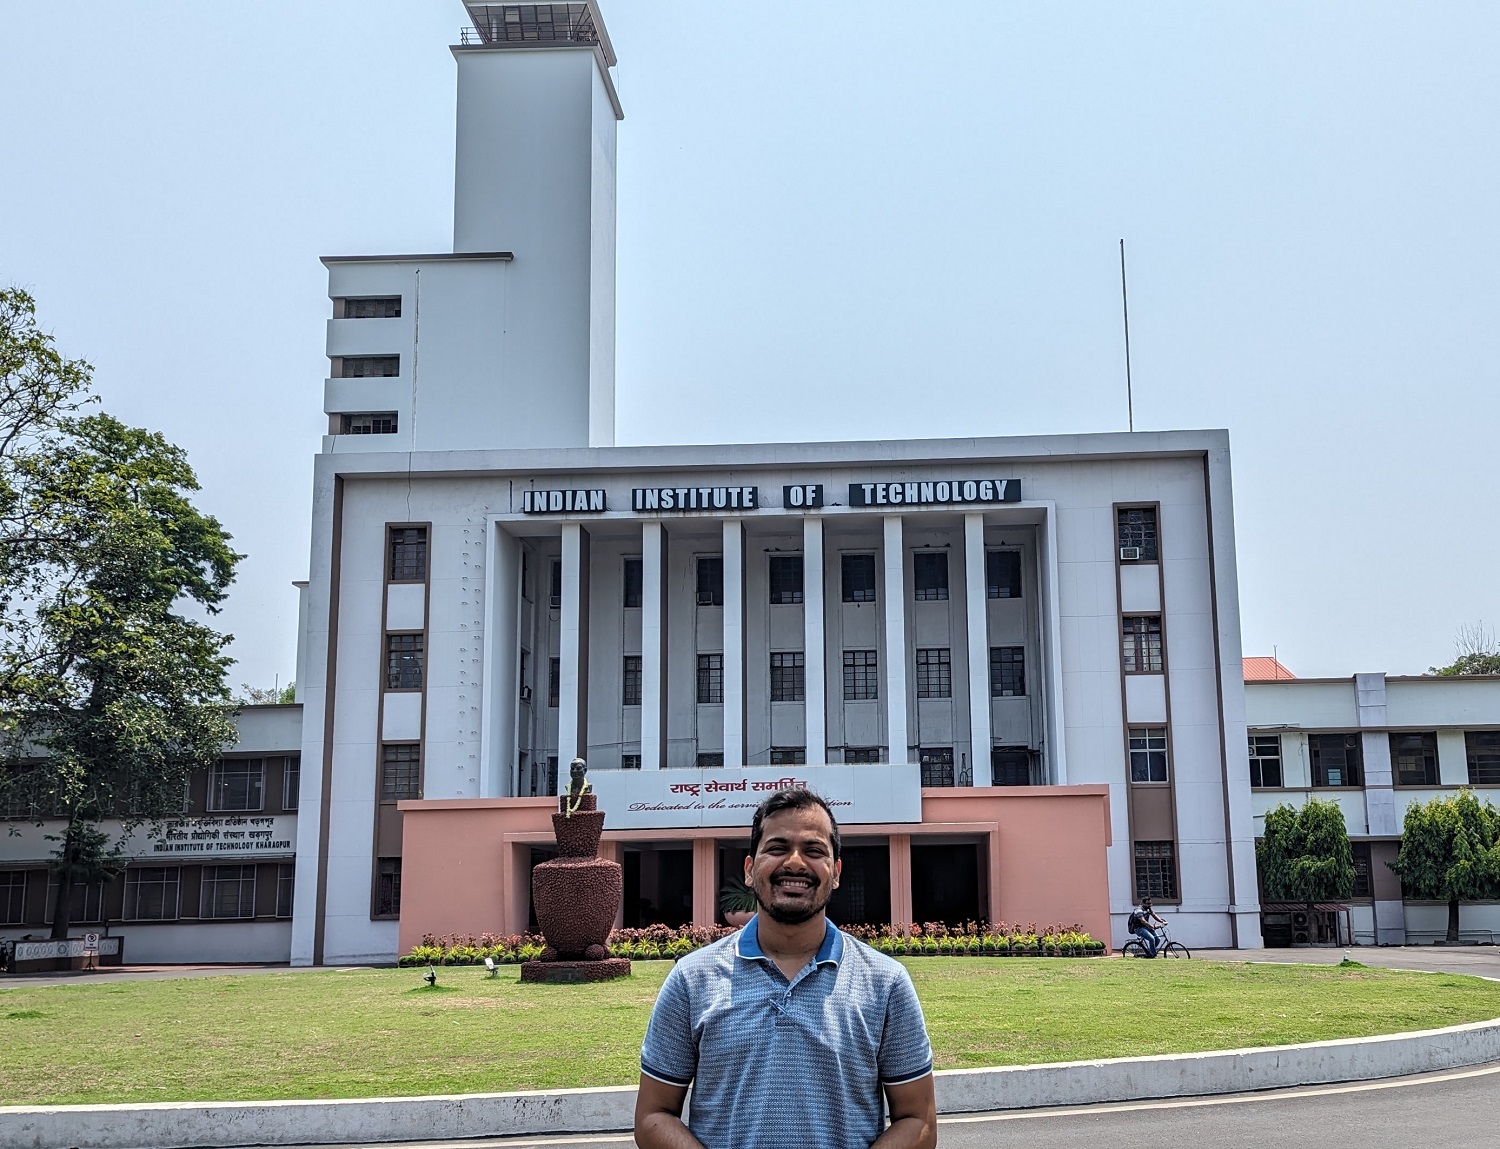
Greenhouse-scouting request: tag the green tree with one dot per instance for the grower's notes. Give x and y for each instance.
(264, 696)
(1305, 854)
(1475, 651)
(1450, 852)
(110, 695)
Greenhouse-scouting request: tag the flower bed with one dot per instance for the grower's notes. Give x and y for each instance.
(929, 939)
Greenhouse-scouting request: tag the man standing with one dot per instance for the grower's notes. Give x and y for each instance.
(1143, 923)
(789, 1031)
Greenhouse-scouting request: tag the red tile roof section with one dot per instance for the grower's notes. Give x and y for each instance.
(1260, 668)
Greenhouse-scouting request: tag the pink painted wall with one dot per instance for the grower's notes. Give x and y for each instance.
(464, 860)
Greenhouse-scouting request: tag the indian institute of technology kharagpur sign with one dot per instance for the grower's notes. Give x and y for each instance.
(797, 496)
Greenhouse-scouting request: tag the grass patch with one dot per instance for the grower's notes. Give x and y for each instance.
(374, 1033)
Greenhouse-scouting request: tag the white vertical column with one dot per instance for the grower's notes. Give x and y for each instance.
(653, 646)
(573, 657)
(816, 681)
(976, 612)
(734, 643)
(895, 640)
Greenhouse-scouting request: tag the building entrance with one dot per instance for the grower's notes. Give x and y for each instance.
(945, 883)
(864, 893)
(658, 887)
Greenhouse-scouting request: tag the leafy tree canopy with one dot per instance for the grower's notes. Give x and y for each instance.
(261, 696)
(1475, 651)
(1450, 852)
(1305, 854)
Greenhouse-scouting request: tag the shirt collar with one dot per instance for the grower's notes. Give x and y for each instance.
(832, 949)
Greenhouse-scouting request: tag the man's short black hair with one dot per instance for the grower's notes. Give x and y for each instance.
(798, 799)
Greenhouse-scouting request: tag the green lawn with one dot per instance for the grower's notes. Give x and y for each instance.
(371, 1033)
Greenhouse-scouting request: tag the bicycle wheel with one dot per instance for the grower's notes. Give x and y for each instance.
(1175, 950)
(1133, 949)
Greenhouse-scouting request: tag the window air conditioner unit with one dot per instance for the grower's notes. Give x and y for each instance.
(1130, 554)
(525, 694)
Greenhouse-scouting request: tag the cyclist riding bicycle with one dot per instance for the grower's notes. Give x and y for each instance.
(1143, 923)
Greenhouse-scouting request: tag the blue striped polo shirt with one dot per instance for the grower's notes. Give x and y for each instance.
(775, 1063)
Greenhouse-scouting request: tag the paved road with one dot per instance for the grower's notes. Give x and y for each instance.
(1453, 1110)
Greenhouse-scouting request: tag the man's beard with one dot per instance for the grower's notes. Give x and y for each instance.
(794, 915)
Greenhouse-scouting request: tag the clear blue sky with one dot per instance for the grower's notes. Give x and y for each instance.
(847, 220)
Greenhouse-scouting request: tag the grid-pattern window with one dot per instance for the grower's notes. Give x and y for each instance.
(937, 765)
(554, 681)
(1002, 574)
(630, 681)
(1148, 753)
(1010, 766)
(151, 893)
(711, 580)
(369, 366)
(400, 771)
(858, 573)
(227, 892)
(374, 307)
(388, 887)
(1335, 759)
(630, 761)
(788, 676)
(788, 755)
(861, 755)
(554, 584)
(1482, 748)
(552, 775)
(286, 888)
(711, 760)
(369, 423)
(1141, 643)
(1136, 530)
(633, 577)
(403, 661)
(237, 785)
(291, 782)
(786, 580)
(930, 576)
(710, 679)
(85, 902)
(861, 675)
(935, 673)
(1414, 759)
(12, 897)
(1155, 871)
(1265, 760)
(1007, 671)
(1363, 887)
(408, 552)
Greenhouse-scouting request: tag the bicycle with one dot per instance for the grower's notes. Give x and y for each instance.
(1167, 947)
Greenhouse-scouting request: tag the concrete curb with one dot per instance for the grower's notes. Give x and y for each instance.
(223, 1124)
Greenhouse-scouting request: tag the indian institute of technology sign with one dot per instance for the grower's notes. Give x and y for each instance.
(795, 497)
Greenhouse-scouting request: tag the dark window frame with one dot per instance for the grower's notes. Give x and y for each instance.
(291, 783)
(1141, 644)
(406, 554)
(709, 760)
(936, 764)
(630, 680)
(387, 892)
(554, 681)
(1137, 527)
(788, 755)
(710, 679)
(1007, 672)
(788, 676)
(858, 577)
(1150, 752)
(405, 660)
(1010, 766)
(369, 423)
(400, 772)
(709, 573)
(633, 581)
(1482, 757)
(369, 367)
(1426, 773)
(1265, 749)
(554, 583)
(863, 755)
(218, 785)
(1351, 776)
(1154, 866)
(929, 576)
(861, 675)
(370, 307)
(934, 672)
(784, 578)
(210, 902)
(170, 884)
(1006, 582)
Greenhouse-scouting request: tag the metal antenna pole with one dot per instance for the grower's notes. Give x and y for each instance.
(1125, 307)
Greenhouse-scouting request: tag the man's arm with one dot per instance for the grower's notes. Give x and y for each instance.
(913, 1108)
(658, 1116)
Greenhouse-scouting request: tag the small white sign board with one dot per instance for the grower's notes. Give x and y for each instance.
(686, 799)
(91, 943)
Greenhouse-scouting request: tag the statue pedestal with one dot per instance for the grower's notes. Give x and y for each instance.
(574, 972)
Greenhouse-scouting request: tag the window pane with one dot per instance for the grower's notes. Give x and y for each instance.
(1362, 886)
(1483, 750)
(710, 679)
(151, 893)
(381, 307)
(370, 366)
(227, 892)
(861, 676)
(554, 585)
(930, 576)
(1137, 528)
(712, 760)
(404, 655)
(632, 680)
(291, 782)
(388, 888)
(861, 755)
(633, 576)
(286, 888)
(630, 761)
(786, 579)
(12, 897)
(1155, 871)
(408, 554)
(554, 681)
(1010, 766)
(1002, 570)
(236, 785)
(711, 580)
(370, 423)
(788, 756)
(1148, 753)
(1414, 759)
(1335, 759)
(935, 673)
(1007, 671)
(1265, 760)
(858, 577)
(937, 766)
(788, 677)
(1141, 643)
(400, 772)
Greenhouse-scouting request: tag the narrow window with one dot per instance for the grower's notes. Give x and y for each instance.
(1141, 643)
(286, 888)
(788, 681)
(1002, 574)
(408, 551)
(1010, 766)
(1136, 532)
(858, 577)
(631, 680)
(1335, 759)
(554, 585)
(1362, 886)
(633, 576)
(861, 675)
(1007, 671)
(525, 676)
(369, 366)
(930, 576)
(937, 766)
(388, 888)
(525, 575)
(786, 579)
(710, 679)
(369, 423)
(1155, 871)
(403, 661)
(400, 772)
(1482, 747)
(711, 580)
(291, 782)
(630, 761)
(1148, 753)
(1414, 759)
(861, 755)
(151, 893)
(12, 897)
(373, 307)
(554, 680)
(935, 673)
(788, 755)
(227, 892)
(237, 785)
(713, 760)
(1265, 760)
(552, 775)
